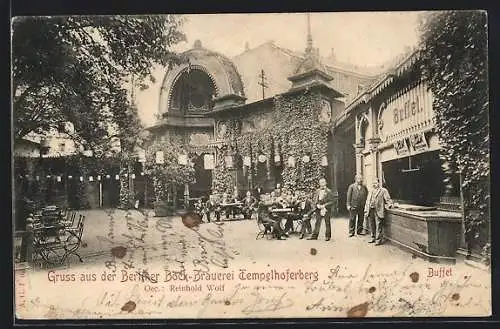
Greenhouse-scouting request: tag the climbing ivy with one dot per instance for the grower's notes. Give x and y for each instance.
(454, 63)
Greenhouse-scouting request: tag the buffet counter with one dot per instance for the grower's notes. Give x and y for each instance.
(425, 231)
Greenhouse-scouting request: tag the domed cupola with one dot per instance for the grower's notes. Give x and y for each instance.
(197, 83)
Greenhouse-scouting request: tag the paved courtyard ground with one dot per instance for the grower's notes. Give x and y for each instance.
(162, 268)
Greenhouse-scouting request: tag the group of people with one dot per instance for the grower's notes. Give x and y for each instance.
(367, 207)
(364, 207)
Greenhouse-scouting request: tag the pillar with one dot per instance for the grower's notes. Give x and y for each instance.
(373, 143)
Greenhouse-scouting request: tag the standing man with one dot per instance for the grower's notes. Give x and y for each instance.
(377, 202)
(249, 204)
(323, 201)
(356, 199)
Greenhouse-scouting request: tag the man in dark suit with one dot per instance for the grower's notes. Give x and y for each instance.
(304, 209)
(356, 198)
(323, 201)
(377, 202)
(249, 204)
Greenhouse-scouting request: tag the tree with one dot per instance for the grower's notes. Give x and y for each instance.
(454, 64)
(76, 68)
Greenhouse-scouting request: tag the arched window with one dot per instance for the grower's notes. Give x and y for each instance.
(193, 91)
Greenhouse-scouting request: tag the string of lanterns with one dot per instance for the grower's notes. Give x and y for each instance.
(59, 178)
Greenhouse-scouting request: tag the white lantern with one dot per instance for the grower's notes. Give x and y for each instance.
(48, 176)
(117, 177)
(133, 176)
(141, 154)
(324, 161)
(37, 177)
(306, 159)
(229, 161)
(160, 159)
(59, 178)
(108, 176)
(91, 179)
(277, 158)
(69, 177)
(81, 178)
(208, 162)
(98, 177)
(291, 161)
(262, 158)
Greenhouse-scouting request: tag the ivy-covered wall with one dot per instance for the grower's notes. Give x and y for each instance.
(295, 131)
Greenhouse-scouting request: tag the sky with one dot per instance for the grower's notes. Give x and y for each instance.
(362, 38)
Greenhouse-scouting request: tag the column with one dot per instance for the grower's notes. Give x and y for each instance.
(373, 143)
(359, 158)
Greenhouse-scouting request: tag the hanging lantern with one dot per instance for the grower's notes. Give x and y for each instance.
(291, 161)
(69, 177)
(141, 154)
(37, 177)
(247, 161)
(160, 159)
(59, 178)
(48, 176)
(262, 158)
(277, 158)
(229, 161)
(117, 177)
(108, 176)
(81, 178)
(98, 177)
(182, 159)
(324, 161)
(208, 162)
(133, 176)
(142, 173)
(91, 179)
(306, 158)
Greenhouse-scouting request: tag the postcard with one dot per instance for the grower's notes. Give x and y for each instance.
(246, 166)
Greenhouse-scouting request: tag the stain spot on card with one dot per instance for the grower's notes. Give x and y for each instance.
(455, 296)
(414, 277)
(119, 252)
(413, 256)
(227, 302)
(313, 251)
(191, 220)
(372, 290)
(358, 311)
(466, 277)
(129, 306)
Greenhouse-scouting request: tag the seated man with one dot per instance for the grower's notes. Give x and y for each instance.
(199, 208)
(213, 204)
(265, 216)
(249, 203)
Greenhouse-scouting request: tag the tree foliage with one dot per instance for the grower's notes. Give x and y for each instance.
(454, 63)
(76, 68)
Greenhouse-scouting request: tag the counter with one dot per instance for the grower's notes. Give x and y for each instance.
(425, 231)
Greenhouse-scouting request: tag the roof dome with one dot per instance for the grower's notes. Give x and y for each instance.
(219, 68)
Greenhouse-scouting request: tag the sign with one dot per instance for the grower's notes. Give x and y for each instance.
(407, 112)
(159, 157)
(208, 162)
(418, 142)
(401, 147)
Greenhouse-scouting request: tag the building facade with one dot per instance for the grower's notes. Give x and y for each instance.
(259, 119)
